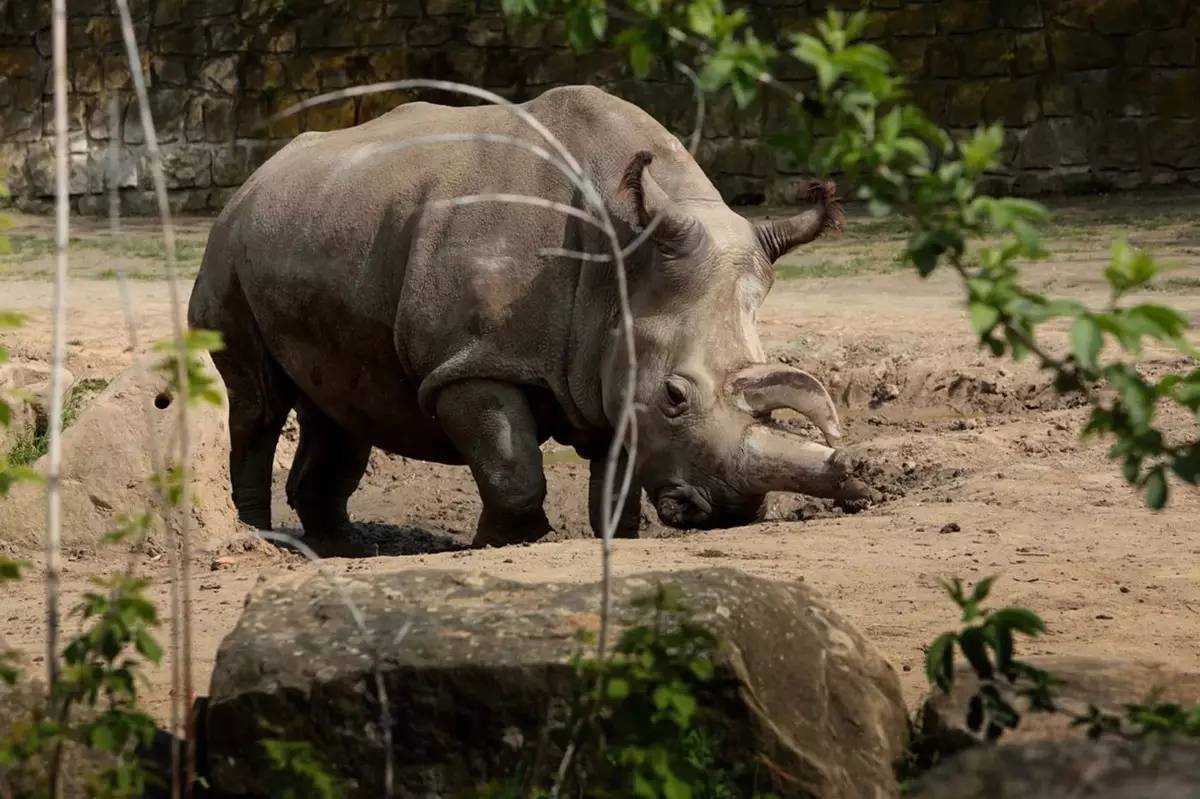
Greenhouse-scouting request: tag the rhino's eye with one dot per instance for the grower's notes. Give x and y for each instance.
(676, 396)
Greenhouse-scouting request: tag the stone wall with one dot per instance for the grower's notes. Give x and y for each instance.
(1095, 94)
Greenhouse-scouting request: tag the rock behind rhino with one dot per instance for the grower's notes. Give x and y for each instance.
(455, 334)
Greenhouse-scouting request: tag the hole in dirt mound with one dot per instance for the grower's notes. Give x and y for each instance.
(162, 401)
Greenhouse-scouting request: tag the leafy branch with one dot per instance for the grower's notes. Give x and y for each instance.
(987, 642)
(859, 122)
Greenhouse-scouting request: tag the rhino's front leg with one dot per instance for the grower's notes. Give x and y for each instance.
(630, 513)
(492, 426)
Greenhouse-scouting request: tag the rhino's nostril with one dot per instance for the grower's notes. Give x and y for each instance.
(674, 512)
(682, 506)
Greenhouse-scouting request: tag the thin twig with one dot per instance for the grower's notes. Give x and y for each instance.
(62, 211)
(183, 621)
(625, 434)
(128, 311)
(624, 440)
(518, 199)
(641, 238)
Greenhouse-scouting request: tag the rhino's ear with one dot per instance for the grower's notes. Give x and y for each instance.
(671, 225)
(777, 236)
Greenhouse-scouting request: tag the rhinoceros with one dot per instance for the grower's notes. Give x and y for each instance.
(471, 335)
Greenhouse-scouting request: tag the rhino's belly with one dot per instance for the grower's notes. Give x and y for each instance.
(357, 382)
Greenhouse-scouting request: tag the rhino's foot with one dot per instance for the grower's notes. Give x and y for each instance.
(498, 530)
(342, 540)
(343, 546)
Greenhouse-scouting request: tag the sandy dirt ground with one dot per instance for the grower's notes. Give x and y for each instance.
(986, 471)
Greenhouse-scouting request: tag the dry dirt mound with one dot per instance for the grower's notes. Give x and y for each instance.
(107, 465)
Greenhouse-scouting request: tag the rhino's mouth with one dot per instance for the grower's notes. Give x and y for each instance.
(683, 506)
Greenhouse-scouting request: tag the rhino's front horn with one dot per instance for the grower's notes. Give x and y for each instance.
(774, 460)
(777, 236)
(768, 387)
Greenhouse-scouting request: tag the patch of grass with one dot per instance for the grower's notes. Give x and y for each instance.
(148, 247)
(27, 449)
(858, 265)
(25, 247)
(137, 274)
(22, 246)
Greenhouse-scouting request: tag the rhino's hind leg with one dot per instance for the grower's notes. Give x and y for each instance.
(493, 428)
(328, 466)
(260, 398)
(630, 521)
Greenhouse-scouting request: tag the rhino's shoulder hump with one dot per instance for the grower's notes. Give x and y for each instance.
(581, 100)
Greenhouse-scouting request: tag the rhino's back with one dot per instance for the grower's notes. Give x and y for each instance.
(369, 296)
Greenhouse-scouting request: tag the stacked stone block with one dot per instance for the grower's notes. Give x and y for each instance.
(1094, 94)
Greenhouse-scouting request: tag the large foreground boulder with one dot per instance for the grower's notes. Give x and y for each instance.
(486, 662)
(107, 465)
(1106, 683)
(1106, 769)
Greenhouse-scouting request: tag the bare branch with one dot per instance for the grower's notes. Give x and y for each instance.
(181, 621)
(518, 199)
(385, 710)
(62, 209)
(446, 86)
(625, 437)
(577, 180)
(648, 231)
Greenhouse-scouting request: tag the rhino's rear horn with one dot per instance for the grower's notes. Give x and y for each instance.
(671, 225)
(767, 387)
(777, 236)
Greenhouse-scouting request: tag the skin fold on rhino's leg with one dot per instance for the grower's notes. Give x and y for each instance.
(494, 429)
(328, 466)
(631, 513)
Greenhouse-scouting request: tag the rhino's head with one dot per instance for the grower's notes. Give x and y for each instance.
(707, 450)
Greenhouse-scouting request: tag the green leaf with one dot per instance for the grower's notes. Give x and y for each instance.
(981, 152)
(1002, 644)
(973, 645)
(148, 647)
(101, 738)
(685, 705)
(641, 58)
(11, 319)
(983, 317)
(1020, 619)
(1156, 489)
(1086, 341)
(701, 19)
(939, 662)
(982, 589)
(10, 569)
(702, 668)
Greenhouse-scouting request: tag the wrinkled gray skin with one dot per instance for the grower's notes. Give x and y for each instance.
(441, 333)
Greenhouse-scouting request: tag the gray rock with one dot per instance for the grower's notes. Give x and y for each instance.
(25, 386)
(1107, 683)
(1108, 769)
(486, 661)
